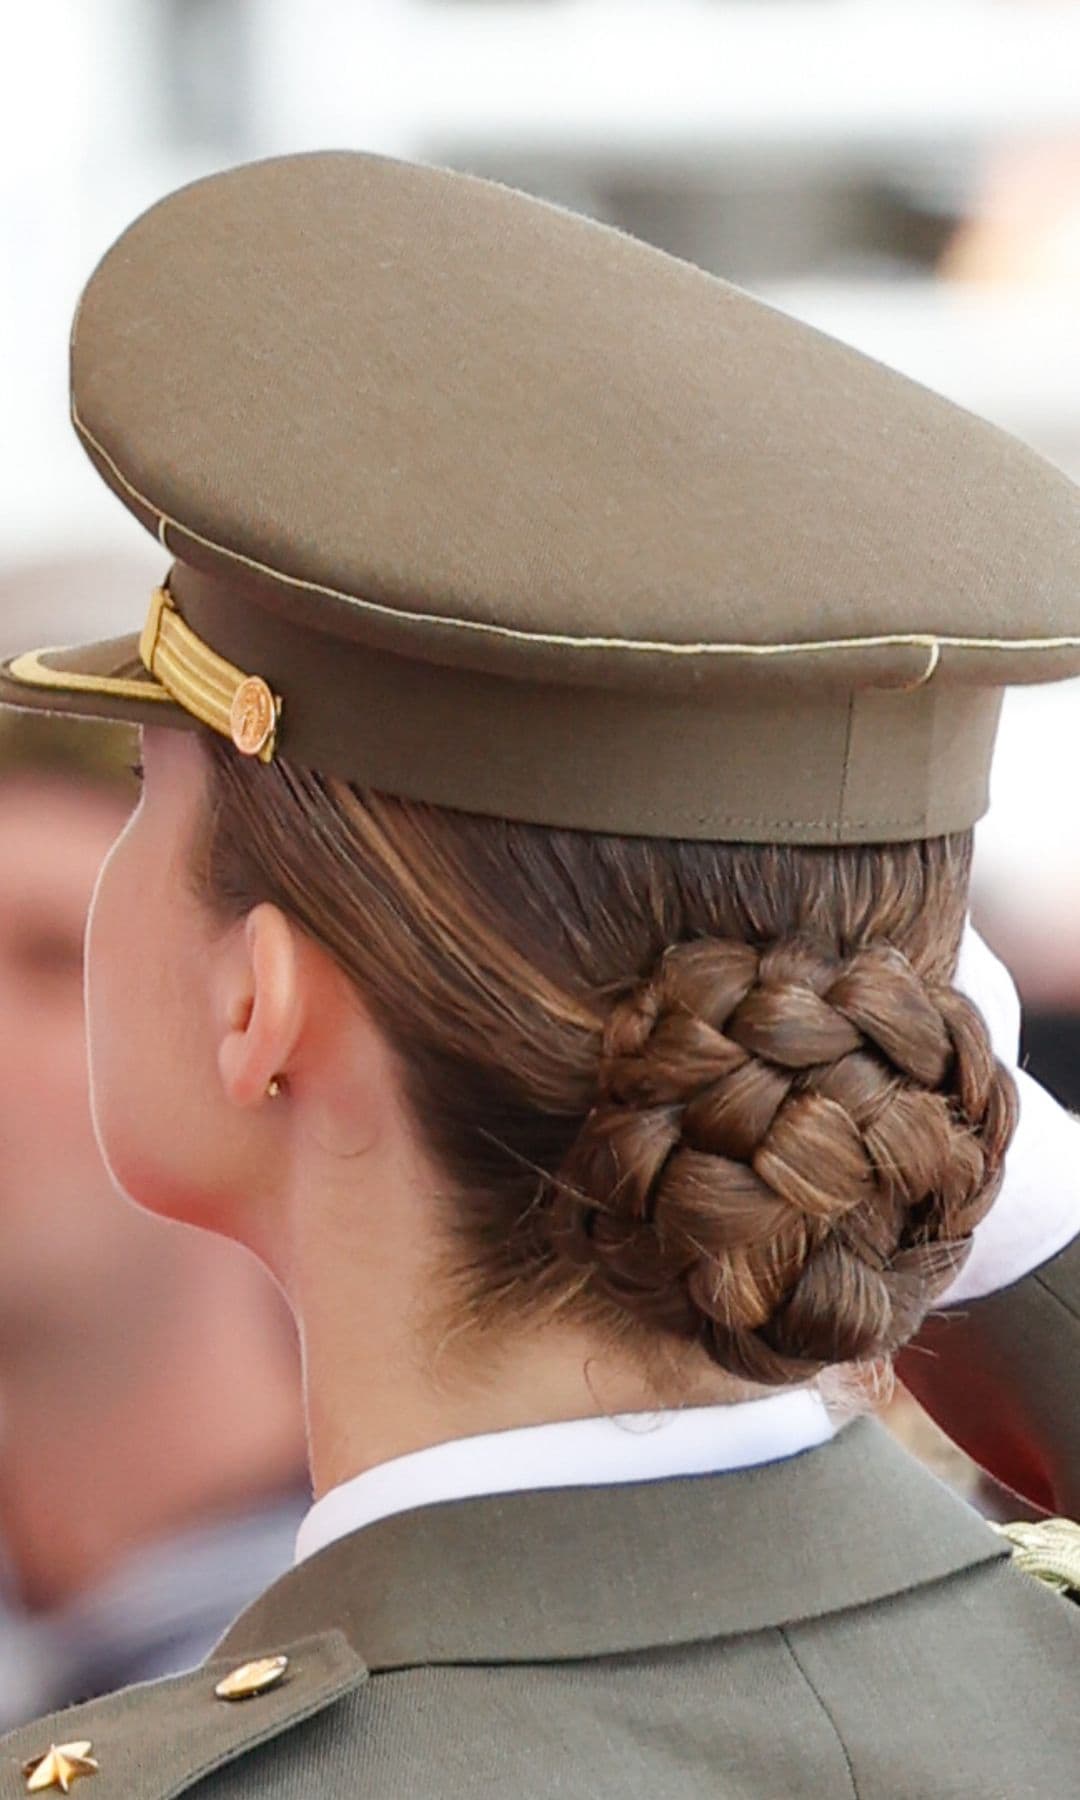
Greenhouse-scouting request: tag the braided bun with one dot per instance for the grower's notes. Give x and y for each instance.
(776, 1154)
(787, 1155)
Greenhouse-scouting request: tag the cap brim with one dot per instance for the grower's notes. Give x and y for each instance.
(103, 680)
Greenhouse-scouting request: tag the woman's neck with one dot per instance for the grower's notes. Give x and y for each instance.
(383, 1378)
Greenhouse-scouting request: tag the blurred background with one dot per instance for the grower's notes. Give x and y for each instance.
(903, 173)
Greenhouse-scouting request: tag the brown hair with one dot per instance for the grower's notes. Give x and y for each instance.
(710, 1093)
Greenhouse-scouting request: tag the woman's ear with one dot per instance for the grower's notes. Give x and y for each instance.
(262, 1007)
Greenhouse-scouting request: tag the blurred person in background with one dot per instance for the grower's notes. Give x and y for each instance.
(1023, 237)
(151, 1453)
(1024, 229)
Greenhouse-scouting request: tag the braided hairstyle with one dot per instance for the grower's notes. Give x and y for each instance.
(788, 1153)
(721, 1096)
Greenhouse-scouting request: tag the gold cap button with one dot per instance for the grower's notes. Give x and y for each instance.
(59, 1767)
(253, 716)
(252, 1678)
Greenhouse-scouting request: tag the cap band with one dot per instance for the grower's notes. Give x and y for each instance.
(214, 691)
(811, 769)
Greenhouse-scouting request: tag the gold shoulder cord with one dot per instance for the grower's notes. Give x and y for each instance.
(1049, 1549)
(221, 696)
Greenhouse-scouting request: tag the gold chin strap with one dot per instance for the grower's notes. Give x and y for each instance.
(238, 706)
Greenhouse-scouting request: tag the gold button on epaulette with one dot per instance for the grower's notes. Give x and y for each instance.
(59, 1767)
(252, 1678)
(1049, 1549)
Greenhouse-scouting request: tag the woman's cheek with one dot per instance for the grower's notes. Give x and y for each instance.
(120, 1035)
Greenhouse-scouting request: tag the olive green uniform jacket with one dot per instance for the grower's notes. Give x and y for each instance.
(834, 1624)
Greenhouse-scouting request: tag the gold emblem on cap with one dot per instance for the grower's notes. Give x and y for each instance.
(252, 1678)
(59, 1767)
(252, 716)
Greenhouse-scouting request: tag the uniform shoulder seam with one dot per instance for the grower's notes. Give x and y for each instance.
(824, 1708)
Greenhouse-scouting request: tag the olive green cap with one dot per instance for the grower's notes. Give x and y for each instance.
(481, 503)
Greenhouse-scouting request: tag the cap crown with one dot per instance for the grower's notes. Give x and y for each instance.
(400, 399)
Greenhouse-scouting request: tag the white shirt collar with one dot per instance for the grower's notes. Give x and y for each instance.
(699, 1440)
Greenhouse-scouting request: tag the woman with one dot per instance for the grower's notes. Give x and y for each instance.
(114, 1579)
(543, 961)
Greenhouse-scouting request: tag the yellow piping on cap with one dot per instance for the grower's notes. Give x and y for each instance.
(933, 642)
(31, 671)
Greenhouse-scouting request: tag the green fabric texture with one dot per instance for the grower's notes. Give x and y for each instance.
(162, 1737)
(415, 1588)
(833, 1624)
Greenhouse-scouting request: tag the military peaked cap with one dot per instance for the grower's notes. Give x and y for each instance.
(484, 504)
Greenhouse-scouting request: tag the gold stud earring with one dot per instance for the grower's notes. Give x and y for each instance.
(273, 1087)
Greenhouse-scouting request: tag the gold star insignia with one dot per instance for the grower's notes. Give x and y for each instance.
(59, 1767)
